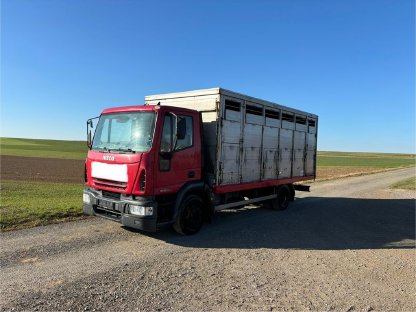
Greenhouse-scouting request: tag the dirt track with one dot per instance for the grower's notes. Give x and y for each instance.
(348, 245)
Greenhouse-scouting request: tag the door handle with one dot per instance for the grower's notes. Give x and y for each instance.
(191, 174)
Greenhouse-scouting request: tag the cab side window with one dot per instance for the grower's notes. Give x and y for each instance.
(185, 132)
(166, 142)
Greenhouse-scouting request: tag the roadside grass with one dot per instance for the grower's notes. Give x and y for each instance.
(408, 184)
(43, 148)
(26, 204)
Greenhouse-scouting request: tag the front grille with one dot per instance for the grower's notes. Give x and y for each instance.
(110, 183)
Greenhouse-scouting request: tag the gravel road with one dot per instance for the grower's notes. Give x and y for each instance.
(347, 245)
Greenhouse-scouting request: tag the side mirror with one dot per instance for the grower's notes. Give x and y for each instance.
(90, 125)
(89, 141)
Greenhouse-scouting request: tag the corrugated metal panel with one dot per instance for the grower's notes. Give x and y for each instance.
(299, 148)
(270, 152)
(230, 164)
(231, 131)
(285, 161)
(254, 119)
(310, 154)
(230, 152)
(252, 153)
(273, 122)
(232, 115)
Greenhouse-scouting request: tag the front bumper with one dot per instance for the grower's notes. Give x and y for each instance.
(118, 209)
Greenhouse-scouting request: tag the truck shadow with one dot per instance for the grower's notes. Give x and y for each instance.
(309, 223)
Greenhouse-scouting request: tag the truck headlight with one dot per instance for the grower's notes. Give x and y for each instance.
(86, 198)
(141, 211)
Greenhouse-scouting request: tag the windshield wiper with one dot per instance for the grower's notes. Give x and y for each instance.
(105, 149)
(127, 150)
(102, 149)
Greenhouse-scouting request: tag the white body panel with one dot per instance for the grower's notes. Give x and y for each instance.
(248, 139)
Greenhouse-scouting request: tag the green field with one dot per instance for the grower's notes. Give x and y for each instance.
(408, 184)
(25, 204)
(373, 160)
(43, 148)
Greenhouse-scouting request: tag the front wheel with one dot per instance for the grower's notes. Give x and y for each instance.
(191, 216)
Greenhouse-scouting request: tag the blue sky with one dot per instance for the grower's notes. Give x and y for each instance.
(350, 62)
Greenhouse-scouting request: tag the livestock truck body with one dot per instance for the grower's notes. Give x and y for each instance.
(182, 156)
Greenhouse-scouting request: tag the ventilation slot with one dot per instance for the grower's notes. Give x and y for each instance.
(288, 117)
(232, 105)
(254, 110)
(301, 120)
(272, 114)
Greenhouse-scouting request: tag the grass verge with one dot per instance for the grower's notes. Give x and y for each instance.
(27, 204)
(408, 184)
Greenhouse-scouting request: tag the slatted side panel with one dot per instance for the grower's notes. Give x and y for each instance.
(311, 154)
(285, 161)
(270, 153)
(230, 153)
(299, 149)
(251, 168)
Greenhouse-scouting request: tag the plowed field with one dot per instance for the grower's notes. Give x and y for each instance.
(42, 169)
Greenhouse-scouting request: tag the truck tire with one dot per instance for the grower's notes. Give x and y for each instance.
(191, 216)
(281, 202)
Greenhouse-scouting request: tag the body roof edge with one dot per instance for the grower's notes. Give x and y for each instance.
(226, 92)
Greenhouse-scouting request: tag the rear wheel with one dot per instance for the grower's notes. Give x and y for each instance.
(282, 200)
(191, 216)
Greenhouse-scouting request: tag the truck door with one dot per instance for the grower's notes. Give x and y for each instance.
(179, 160)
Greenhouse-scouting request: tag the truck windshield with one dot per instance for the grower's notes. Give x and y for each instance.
(125, 132)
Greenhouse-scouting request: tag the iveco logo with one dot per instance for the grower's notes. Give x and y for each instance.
(108, 157)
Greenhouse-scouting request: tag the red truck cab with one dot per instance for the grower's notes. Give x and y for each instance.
(139, 160)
